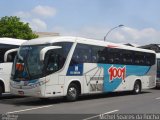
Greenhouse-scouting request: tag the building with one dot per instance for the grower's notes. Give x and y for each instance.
(155, 47)
(46, 34)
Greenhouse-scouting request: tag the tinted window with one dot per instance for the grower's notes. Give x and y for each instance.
(114, 56)
(127, 57)
(4, 48)
(150, 58)
(57, 57)
(11, 56)
(142, 58)
(139, 58)
(97, 54)
(82, 54)
(66, 46)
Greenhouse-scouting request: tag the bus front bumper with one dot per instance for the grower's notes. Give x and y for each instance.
(17, 88)
(35, 92)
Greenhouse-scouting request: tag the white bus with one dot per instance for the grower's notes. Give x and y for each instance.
(158, 70)
(8, 50)
(71, 66)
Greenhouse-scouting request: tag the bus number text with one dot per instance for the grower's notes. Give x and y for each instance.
(117, 73)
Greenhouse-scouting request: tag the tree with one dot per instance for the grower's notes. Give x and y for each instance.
(12, 27)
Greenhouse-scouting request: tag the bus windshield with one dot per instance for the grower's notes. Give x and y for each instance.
(27, 64)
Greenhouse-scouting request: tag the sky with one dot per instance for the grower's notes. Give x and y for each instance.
(91, 18)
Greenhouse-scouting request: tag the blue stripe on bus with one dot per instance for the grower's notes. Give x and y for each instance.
(109, 86)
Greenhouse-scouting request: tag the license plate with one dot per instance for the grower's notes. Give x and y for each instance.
(21, 92)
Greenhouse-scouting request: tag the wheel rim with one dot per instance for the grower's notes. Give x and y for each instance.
(72, 92)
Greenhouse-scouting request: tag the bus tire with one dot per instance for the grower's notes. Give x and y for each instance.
(1, 90)
(137, 87)
(72, 92)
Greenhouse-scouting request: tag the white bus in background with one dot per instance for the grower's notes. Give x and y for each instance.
(71, 66)
(158, 70)
(8, 50)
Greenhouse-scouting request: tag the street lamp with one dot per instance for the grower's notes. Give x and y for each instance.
(111, 30)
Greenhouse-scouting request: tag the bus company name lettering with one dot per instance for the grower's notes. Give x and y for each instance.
(119, 73)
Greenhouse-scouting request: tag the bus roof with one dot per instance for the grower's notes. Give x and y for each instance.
(11, 41)
(49, 40)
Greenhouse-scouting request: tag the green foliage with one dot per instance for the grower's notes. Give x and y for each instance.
(12, 27)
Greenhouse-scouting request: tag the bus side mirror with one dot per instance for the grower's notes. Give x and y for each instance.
(7, 56)
(46, 49)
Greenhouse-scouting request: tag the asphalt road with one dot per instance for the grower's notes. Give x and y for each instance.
(86, 108)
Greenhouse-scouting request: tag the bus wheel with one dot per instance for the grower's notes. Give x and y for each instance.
(137, 87)
(72, 92)
(1, 90)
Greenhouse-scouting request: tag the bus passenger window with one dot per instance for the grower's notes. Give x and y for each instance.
(82, 54)
(102, 60)
(85, 58)
(52, 63)
(94, 59)
(110, 60)
(127, 57)
(11, 56)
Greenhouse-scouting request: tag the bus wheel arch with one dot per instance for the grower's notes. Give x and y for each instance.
(2, 87)
(73, 90)
(137, 87)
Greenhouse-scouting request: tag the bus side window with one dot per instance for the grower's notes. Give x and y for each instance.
(1, 56)
(94, 59)
(137, 58)
(127, 57)
(85, 58)
(114, 56)
(158, 64)
(102, 59)
(82, 54)
(96, 54)
(85, 54)
(53, 62)
(150, 59)
(110, 59)
(102, 55)
(11, 56)
(142, 58)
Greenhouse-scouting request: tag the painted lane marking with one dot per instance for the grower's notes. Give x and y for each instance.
(30, 109)
(158, 98)
(101, 114)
